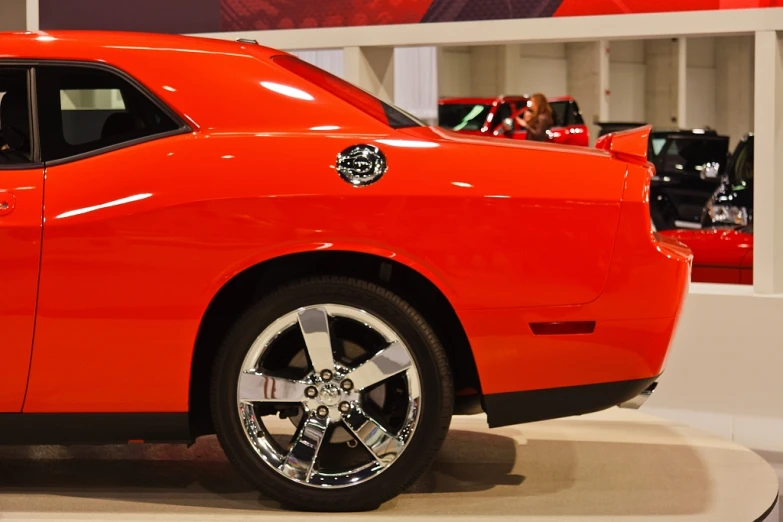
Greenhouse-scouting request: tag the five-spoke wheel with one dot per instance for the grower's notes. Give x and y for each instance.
(332, 394)
(335, 383)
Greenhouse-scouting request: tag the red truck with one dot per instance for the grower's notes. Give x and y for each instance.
(496, 117)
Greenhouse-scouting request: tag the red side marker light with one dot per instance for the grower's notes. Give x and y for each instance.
(563, 328)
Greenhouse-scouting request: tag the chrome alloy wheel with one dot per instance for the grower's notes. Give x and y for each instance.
(369, 398)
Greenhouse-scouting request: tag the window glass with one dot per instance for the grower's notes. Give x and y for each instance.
(690, 154)
(657, 145)
(463, 116)
(85, 112)
(15, 142)
(84, 109)
(384, 112)
(743, 166)
(559, 113)
(502, 113)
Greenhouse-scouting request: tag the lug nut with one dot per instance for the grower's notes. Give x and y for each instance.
(347, 385)
(327, 375)
(345, 407)
(311, 392)
(322, 411)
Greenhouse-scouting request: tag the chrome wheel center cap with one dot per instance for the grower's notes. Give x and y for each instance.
(329, 395)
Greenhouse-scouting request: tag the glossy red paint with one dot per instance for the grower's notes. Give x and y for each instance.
(719, 255)
(21, 199)
(631, 144)
(567, 135)
(138, 241)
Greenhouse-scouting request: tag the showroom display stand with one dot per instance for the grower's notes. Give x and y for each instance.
(617, 464)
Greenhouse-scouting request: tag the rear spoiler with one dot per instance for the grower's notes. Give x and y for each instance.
(630, 145)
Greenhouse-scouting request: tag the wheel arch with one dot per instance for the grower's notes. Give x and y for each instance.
(252, 283)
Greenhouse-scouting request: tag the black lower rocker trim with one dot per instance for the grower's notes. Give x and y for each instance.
(92, 428)
(505, 409)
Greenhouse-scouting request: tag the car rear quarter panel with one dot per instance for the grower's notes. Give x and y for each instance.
(139, 240)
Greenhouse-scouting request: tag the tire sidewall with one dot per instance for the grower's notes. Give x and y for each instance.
(436, 399)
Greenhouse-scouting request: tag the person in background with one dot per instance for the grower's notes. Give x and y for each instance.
(537, 119)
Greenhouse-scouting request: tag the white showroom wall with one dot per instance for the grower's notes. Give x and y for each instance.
(584, 82)
(416, 81)
(415, 76)
(491, 70)
(701, 85)
(734, 71)
(661, 82)
(542, 68)
(627, 81)
(454, 72)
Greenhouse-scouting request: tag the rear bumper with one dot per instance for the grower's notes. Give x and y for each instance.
(504, 409)
(638, 401)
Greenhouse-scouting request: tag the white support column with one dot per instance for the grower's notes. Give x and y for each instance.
(662, 60)
(586, 80)
(32, 17)
(508, 68)
(372, 69)
(603, 80)
(768, 165)
(682, 83)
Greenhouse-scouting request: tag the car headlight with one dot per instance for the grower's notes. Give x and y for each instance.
(728, 214)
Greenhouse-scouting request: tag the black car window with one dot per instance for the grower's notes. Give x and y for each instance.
(743, 165)
(559, 113)
(463, 116)
(15, 128)
(656, 145)
(503, 112)
(83, 109)
(690, 154)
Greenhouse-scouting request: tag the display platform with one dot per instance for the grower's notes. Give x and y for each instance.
(617, 464)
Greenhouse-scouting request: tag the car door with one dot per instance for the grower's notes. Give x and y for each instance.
(100, 327)
(21, 205)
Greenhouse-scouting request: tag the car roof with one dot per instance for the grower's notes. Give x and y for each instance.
(209, 83)
(707, 133)
(76, 44)
(473, 100)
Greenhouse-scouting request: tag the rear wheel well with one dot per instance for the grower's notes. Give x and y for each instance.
(250, 285)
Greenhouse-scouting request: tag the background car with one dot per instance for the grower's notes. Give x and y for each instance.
(494, 117)
(720, 255)
(731, 204)
(688, 164)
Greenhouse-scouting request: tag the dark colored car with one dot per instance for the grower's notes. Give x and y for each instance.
(688, 165)
(732, 203)
(495, 117)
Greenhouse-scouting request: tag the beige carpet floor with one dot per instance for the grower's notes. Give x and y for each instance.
(617, 465)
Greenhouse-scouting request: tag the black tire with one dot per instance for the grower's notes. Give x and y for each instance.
(437, 394)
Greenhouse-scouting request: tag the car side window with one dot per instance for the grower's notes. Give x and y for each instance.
(503, 112)
(83, 110)
(15, 125)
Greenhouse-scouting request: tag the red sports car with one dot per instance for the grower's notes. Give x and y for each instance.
(496, 117)
(182, 257)
(720, 255)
